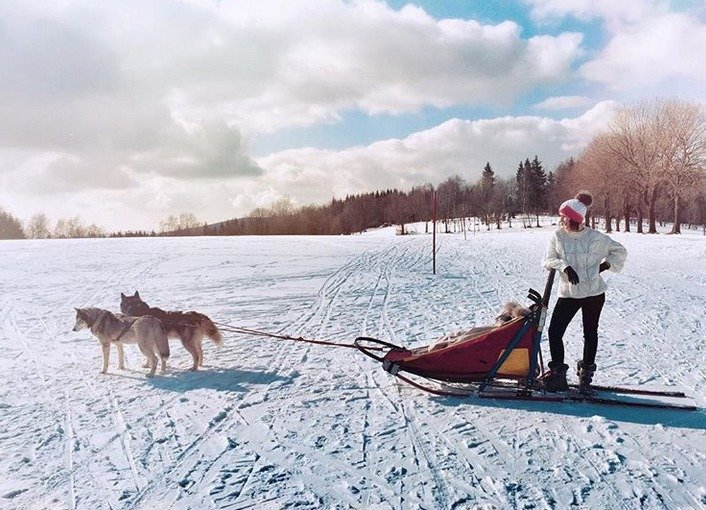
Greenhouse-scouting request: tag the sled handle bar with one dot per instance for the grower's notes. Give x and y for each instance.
(365, 349)
(534, 296)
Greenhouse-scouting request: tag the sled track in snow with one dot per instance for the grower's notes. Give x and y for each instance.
(416, 441)
(313, 320)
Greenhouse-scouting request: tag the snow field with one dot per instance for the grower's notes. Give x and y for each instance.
(280, 424)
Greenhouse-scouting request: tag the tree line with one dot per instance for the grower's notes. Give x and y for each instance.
(490, 198)
(647, 167)
(39, 227)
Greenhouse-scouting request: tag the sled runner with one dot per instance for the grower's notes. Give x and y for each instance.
(503, 362)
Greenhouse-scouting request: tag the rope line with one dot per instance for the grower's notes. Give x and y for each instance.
(254, 332)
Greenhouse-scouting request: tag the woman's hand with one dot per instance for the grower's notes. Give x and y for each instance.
(573, 277)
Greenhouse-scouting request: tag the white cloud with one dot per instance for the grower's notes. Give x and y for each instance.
(267, 65)
(148, 106)
(614, 13)
(652, 48)
(331, 56)
(563, 103)
(456, 146)
(111, 98)
(312, 175)
(667, 50)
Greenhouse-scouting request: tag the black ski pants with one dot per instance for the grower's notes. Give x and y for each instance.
(564, 311)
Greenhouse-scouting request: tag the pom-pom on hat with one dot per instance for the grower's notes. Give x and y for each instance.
(585, 198)
(573, 209)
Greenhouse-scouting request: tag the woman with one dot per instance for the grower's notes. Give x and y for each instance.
(579, 254)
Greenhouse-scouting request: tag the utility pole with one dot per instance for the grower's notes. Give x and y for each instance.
(433, 235)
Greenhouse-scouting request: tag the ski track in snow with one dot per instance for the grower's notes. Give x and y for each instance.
(270, 423)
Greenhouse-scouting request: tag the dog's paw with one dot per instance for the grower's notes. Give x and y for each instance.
(103, 371)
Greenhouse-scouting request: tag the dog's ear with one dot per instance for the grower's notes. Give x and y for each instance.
(77, 310)
(137, 294)
(122, 296)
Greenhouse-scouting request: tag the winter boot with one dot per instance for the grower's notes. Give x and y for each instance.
(555, 379)
(585, 374)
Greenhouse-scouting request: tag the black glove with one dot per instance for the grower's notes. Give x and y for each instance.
(573, 277)
(604, 266)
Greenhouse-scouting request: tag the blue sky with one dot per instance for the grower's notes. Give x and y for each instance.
(356, 128)
(125, 112)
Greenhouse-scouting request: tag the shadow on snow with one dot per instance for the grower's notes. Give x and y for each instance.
(216, 379)
(641, 416)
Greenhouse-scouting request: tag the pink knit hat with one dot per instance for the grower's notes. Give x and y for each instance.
(573, 209)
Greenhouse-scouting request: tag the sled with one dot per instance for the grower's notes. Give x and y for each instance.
(503, 362)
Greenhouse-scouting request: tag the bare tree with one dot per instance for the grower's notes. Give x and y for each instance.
(420, 198)
(502, 201)
(38, 227)
(565, 183)
(188, 221)
(282, 207)
(612, 181)
(70, 228)
(168, 224)
(682, 150)
(700, 207)
(94, 231)
(181, 222)
(592, 171)
(635, 131)
(10, 227)
(450, 194)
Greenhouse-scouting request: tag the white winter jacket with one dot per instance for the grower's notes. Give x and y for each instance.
(583, 251)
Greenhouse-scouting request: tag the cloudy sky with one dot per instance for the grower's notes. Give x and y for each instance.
(124, 112)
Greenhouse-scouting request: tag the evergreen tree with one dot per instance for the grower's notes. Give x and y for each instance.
(538, 186)
(487, 182)
(487, 187)
(522, 187)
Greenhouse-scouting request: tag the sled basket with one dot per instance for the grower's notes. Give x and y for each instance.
(504, 352)
(509, 351)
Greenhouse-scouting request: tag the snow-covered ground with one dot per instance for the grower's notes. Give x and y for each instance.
(281, 424)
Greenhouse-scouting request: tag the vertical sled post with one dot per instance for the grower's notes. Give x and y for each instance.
(548, 288)
(536, 347)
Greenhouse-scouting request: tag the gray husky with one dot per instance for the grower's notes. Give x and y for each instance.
(189, 327)
(146, 332)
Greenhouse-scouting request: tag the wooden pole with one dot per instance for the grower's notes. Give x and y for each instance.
(433, 235)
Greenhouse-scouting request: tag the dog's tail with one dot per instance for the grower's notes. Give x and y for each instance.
(163, 347)
(212, 331)
(162, 342)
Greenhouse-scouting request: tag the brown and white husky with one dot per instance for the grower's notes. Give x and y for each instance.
(189, 327)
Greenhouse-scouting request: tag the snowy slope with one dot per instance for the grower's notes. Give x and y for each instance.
(275, 424)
